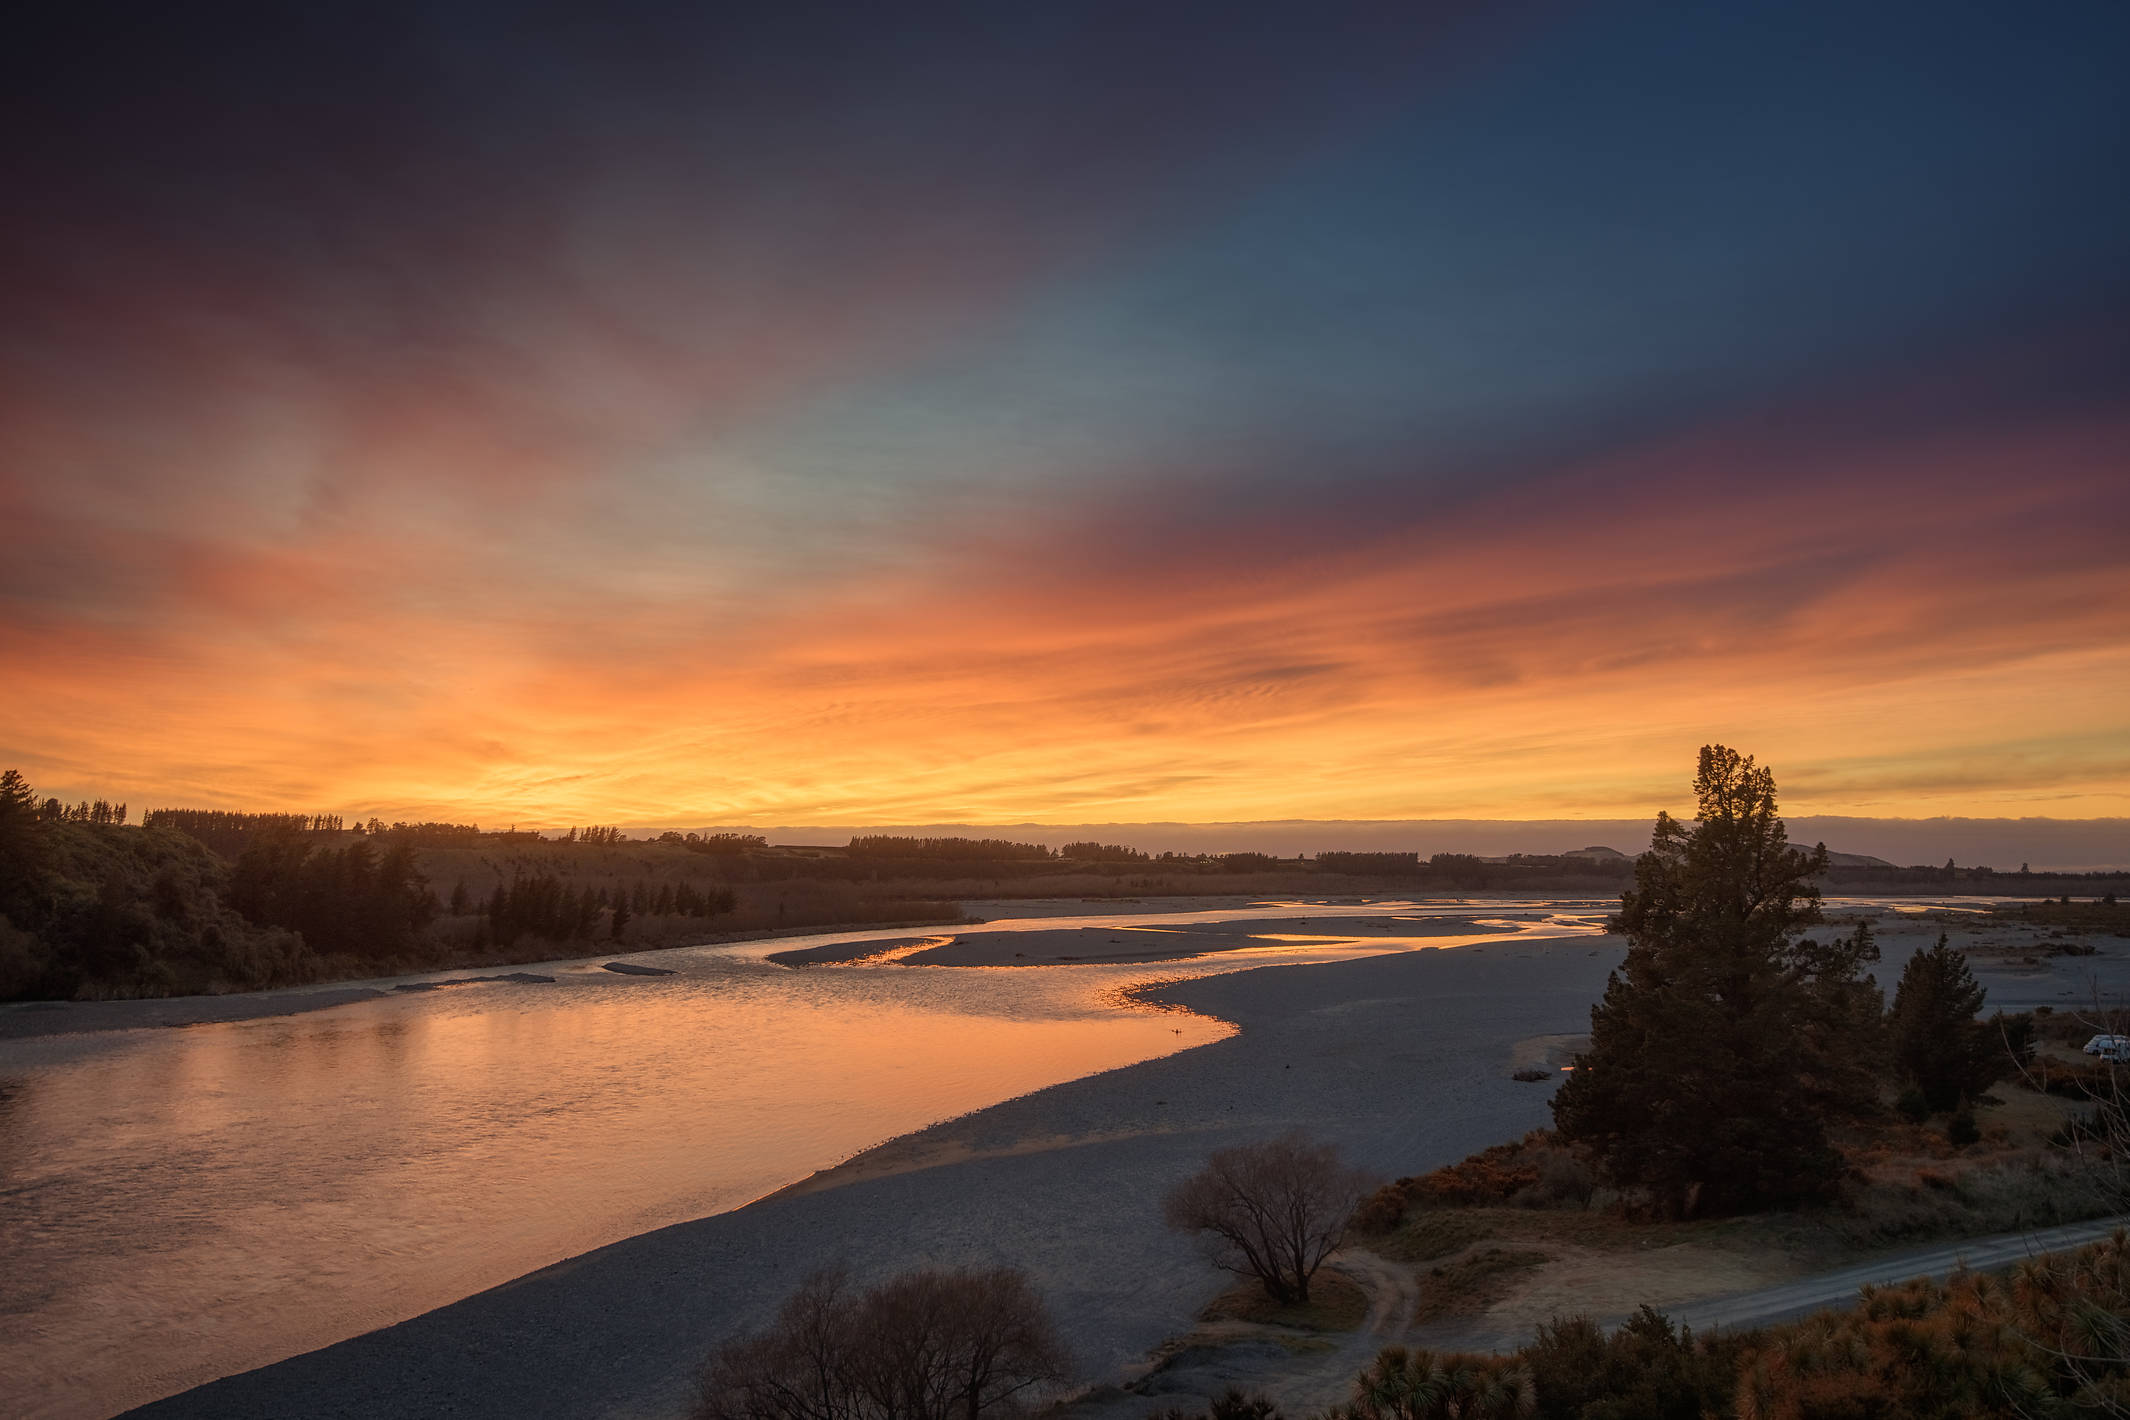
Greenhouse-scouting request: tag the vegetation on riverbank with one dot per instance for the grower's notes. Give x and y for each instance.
(2052, 1339)
(1749, 1108)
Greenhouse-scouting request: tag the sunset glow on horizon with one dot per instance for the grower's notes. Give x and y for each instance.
(1395, 419)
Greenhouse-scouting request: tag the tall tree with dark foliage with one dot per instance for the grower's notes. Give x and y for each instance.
(1726, 1043)
(1939, 1046)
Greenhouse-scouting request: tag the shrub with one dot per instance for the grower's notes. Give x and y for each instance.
(1432, 1385)
(1230, 1404)
(929, 1345)
(1911, 1106)
(1646, 1370)
(1493, 1175)
(1961, 1130)
(1383, 1209)
(1562, 1178)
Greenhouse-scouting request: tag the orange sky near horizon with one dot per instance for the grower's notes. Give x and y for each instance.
(1939, 627)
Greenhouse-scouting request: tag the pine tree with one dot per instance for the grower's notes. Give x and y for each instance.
(22, 848)
(1725, 1044)
(1939, 1046)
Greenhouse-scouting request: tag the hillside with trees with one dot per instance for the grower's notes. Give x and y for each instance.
(194, 901)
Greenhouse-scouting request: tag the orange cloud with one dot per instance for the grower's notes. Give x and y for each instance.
(1900, 629)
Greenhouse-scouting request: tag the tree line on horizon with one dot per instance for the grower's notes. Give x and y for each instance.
(204, 900)
(228, 832)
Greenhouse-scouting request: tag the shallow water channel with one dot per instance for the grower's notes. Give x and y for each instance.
(180, 1204)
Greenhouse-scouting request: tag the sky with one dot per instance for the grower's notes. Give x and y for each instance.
(673, 414)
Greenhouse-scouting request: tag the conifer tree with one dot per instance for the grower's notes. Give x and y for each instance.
(1725, 1044)
(22, 849)
(1939, 1046)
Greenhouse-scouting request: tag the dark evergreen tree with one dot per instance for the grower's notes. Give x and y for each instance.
(621, 917)
(353, 901)
(1939, 1046)
(22, 849)
(1726, 1044)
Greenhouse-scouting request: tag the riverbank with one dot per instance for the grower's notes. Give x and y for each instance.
(1405, 1061)
(26, 1020)
(855, 942)
(1398, 1058)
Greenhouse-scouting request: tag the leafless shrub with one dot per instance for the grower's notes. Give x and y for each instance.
(929, 1345)
(1274, 1210)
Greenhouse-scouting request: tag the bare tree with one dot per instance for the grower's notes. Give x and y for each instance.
(928, 1345)
(797, 1369)
(1275, 1210)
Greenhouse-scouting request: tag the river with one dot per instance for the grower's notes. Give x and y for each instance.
(181, 1204)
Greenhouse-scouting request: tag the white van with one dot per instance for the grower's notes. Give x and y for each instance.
(2109, 1047)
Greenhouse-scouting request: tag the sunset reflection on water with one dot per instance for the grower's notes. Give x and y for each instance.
(187, 1203)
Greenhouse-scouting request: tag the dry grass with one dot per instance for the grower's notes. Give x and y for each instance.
(1469, 1283)
(1336, 1303)
(1432, 1233)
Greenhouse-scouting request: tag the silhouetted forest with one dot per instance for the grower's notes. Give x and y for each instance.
(955, 850)
(546, 908)
(210, 900)
(197, 900)
(354, 901)
(90, 907)
(1090, 852)
(229, 833)
(714, 842)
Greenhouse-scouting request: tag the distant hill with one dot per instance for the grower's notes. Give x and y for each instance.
(1598, 853)
(2067, 845)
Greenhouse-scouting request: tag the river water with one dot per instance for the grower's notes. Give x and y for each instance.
(181, 1204)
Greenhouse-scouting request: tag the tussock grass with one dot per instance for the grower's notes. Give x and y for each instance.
(1473, 1281)
(1336, 1303)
